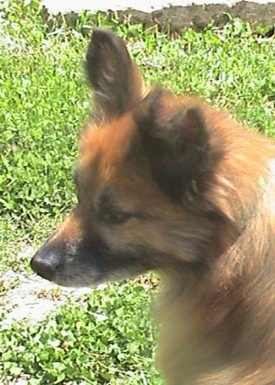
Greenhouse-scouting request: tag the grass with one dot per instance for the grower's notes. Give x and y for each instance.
(86, 342)
(106, 338)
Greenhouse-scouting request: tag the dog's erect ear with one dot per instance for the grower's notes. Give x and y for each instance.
(176, 140)
(116, 82)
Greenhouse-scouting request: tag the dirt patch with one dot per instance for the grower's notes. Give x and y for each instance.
(199, 17)
(177, 18)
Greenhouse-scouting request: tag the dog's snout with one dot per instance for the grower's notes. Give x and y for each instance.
(46, 261)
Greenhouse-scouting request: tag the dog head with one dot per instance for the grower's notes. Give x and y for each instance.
(145, 167)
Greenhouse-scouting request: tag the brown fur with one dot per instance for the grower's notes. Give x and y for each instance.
(166, 183)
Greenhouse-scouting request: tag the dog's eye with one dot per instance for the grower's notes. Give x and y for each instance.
(116, 217)
(109, 210)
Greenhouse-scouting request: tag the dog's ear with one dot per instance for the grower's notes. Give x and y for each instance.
(176, 140)
(116, 82)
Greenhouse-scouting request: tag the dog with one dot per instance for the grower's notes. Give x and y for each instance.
(166, 183)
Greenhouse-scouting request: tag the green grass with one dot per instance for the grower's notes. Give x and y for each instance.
(103, 339)
(44, 103)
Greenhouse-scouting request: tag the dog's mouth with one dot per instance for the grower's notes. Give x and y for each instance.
(87, 266)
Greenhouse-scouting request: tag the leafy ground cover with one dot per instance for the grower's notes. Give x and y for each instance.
(106, 337)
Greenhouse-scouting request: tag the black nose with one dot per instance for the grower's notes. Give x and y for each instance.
(46, 261)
